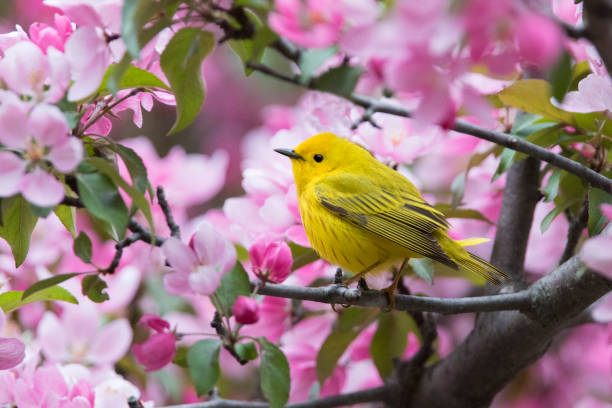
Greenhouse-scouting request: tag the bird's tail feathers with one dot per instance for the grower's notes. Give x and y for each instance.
(481, 267)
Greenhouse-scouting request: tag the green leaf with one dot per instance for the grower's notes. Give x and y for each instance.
(423, 267)
(274, 374)
(133, 77)
(560, 76)
(41, 212)
(233, 284)
(580, 71)
(66, 215)
(458, 189)
(597, 220)
(252, 49)
(47, 283)
(350, 323)
(340, 81)
(181, 61)
(505, 162)
(130, 25)
(18, 223)
(246, 351)
(203, 363)
(135, 166)
(100, 196)
(138, 198)
(180, 358)
(390, 339)
(313, 58)
(12, 300)
(262, 5)
(549, 218)
(533, 96)
(94, 287)
(551, 189)
(82, 247)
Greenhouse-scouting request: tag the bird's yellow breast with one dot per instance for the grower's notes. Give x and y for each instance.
(344, 244)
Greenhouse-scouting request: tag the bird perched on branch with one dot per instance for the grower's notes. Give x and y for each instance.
(366, 217)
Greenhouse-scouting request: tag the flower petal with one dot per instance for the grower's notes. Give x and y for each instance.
(42, 189)
(111, 343)
(12, 352)
(11, 173)
(48, 125)
(179, 255)
(67, 155)
(14, 130)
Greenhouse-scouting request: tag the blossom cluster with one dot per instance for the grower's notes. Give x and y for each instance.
(56, 110)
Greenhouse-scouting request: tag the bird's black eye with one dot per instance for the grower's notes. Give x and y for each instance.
(318, 158)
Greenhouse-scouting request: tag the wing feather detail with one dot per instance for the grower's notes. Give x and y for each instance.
(399, 216)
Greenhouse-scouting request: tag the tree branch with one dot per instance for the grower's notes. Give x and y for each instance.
(377, 394)
(503, 139)
(521, 195)
(495, 352)
(339, 294)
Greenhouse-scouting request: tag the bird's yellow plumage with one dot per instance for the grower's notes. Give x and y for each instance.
(364, 216)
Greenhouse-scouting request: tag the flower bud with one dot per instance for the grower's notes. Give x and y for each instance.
(271, 260)
(246, 310)
(156, 352)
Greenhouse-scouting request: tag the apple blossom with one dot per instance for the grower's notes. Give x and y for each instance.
(159, 349)
(199, 266)
(12, 350)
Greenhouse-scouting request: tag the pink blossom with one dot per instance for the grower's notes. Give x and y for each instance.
(45, 36)
(271, 260)
(159, 349)
(12, 351)
(40, 133)
(89, 57)
(77, 336)
(539, 40)
(246, 310)
(199, 266)
(313, 23)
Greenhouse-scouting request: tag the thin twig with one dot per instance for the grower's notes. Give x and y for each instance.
(507, 140)
(378, 394)
(163, 203)
(576, 226)
(119, 247)
(338, 294)
(72, 202)
(106, 109)
(145, 234)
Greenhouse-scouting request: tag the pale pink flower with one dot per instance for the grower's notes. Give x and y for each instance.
(77, 336)
(271, 260)
(12, 350)
(594, 94)
(96, 13)
(199, 266)
(246, 310)
(41, 133)
(310, 23)
(159, 349)
(274, 319)
(89, 56)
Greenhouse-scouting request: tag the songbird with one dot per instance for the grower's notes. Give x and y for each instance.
(366, 217)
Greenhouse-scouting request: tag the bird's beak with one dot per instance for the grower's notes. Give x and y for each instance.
(289, 153)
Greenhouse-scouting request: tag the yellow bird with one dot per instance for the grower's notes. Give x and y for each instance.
(366, 217)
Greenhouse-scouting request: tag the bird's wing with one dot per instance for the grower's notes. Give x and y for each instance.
(398, 214)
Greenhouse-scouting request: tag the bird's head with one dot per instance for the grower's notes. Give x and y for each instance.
(321, 154)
